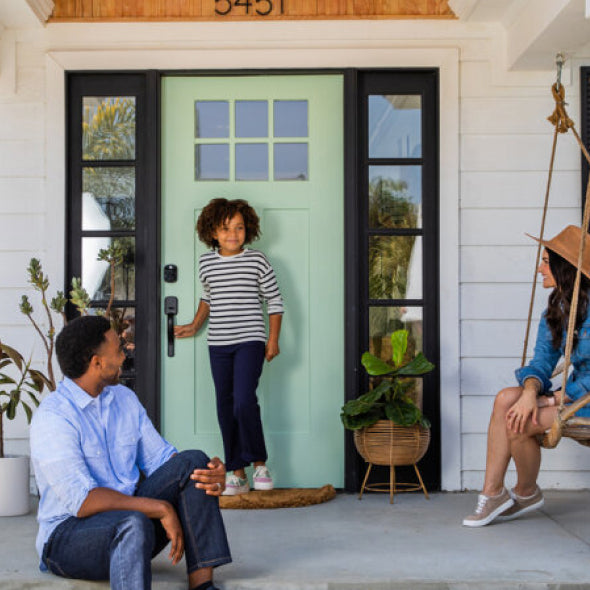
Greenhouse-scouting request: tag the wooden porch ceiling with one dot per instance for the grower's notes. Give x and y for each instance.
(203, 10)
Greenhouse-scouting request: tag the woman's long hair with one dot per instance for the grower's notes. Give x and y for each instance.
(558, 310)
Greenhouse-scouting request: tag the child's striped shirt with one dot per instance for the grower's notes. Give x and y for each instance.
(235, 287)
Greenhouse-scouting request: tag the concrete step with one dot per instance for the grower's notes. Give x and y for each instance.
(347, 544)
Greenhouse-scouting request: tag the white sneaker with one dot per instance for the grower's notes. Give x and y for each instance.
(234, 486)
(262, 478)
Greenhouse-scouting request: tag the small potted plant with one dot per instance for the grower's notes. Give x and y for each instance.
(389, 428)
(20, 385)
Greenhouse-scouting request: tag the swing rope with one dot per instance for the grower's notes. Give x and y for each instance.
(562, 123)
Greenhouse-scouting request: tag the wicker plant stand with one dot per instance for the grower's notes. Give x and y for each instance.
(385, 443)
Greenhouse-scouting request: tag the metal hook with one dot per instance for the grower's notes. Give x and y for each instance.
(559, 61)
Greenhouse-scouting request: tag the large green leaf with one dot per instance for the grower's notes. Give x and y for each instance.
(362, 420)
(16, 357)
(399, 345)
(28, 412)
(6, 379)
(418, 366)
(11, 409)
(402, 413)
(375, 366)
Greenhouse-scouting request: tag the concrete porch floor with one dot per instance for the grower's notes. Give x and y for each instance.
(367, 545)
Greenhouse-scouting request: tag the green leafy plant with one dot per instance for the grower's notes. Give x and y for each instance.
(17, 385)
(390, 399)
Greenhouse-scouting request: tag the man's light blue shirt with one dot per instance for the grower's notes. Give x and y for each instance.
(79, 443)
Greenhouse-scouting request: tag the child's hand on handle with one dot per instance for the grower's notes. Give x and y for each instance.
(185, 331)
(272, 349)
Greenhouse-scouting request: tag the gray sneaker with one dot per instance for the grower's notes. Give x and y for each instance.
(488, 508)
(523, 504)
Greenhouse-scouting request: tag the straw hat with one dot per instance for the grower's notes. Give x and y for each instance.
(567, 244)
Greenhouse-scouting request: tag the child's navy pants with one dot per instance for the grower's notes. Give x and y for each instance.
(236, 369)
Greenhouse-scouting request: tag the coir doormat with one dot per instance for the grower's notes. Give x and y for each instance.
(281, 498)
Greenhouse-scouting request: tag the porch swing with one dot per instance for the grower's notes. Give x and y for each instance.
(565, 423)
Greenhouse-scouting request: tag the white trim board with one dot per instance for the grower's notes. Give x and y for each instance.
(445, 59)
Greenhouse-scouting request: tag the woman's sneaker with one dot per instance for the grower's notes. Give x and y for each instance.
(262, 478)
(523, 504)
(488, 508)
(235, 486)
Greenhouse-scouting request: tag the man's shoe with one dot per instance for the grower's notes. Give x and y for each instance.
(523, 504)
(235, 486)
(488, 508)
(262, 479)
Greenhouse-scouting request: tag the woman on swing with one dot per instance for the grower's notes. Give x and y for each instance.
(521, 413)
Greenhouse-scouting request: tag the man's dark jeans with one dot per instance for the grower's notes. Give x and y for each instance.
(119, 545)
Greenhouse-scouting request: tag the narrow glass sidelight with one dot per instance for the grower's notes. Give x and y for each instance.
(384, 320)
(108, 198)
(395, 126)
(395, 197)
(211, 118)
(395, 267)
(96, 273)
(108, 128)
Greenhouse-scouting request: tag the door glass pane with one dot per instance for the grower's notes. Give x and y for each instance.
(395, 126)
(290, 118)
(290, 161)
(395, 267)
(108, 198)
(251, 118)
(251, 161)
(211, 118)
(96, 274)
(383, 321)
(108, 128)
(212, 161)
(395, 197)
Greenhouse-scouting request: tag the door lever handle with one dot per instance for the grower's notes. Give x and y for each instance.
(171, 309)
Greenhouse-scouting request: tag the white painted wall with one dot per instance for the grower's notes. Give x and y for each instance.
(495, 145)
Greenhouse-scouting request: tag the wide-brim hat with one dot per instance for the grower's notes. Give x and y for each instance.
(567, 244)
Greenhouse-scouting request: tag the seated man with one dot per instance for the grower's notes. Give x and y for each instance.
(89, 441)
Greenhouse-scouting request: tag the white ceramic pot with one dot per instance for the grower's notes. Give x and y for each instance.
(14, 486)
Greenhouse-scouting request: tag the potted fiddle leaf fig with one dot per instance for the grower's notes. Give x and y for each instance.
(389, 427)
(20, 387)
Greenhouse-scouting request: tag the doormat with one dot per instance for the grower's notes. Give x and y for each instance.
(281, 498)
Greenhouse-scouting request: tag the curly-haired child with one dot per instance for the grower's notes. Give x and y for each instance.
(235, 281)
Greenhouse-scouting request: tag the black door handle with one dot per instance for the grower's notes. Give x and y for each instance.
(171, 309)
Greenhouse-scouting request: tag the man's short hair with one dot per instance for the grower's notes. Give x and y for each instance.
(78, 342)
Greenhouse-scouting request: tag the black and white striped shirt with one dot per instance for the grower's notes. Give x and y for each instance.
(235, 288)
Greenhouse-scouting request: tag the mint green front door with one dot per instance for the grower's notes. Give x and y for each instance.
(276, 141)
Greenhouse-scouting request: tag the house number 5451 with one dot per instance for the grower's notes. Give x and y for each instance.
(260, 7)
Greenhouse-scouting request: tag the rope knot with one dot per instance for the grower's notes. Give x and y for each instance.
(559, 117)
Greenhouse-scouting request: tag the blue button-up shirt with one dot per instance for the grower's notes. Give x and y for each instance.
(546, 357)
(79, 443)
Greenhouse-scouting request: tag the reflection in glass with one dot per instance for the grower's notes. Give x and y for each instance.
(212, 161)
(395, 197)
(290, 118)
(251, 118)
(395, 126)
(96, 274)
(108, 198)
(395, 267)
(383, 321)
(251, 161)
(211, 118)
(290, 161)
(108, 128)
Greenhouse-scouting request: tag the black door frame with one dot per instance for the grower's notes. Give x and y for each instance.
(145, 85)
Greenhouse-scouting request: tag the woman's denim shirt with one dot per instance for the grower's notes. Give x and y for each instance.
(546, 357)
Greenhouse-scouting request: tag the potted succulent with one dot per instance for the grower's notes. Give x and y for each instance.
(389, 427)
(20, 386)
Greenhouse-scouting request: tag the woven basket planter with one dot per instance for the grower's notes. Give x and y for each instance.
(386, 443)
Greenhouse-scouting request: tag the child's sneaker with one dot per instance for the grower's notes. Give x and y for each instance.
(262, 478)
(235, 486)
